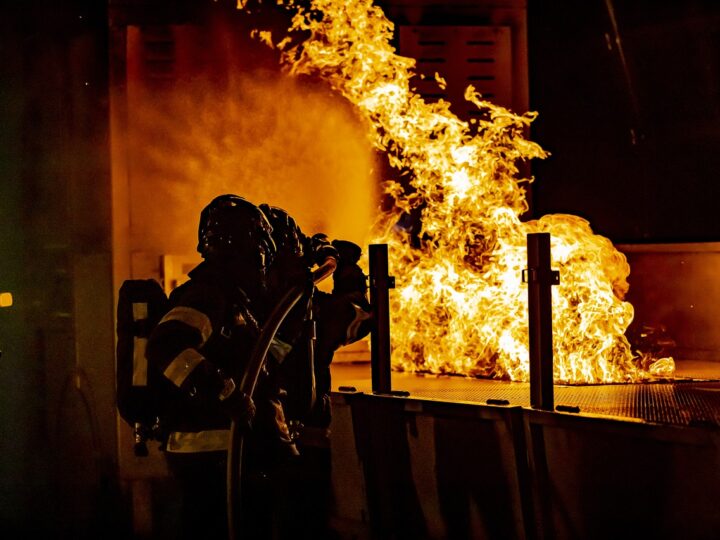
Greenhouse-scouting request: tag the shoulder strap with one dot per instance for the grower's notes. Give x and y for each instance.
(141, 304)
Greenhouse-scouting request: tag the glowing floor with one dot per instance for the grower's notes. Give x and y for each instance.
(692, 398)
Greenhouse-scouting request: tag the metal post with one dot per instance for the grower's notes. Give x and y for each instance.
(380, 283)
(540, 278)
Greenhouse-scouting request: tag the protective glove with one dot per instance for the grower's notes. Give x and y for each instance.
(273, 427)
(349, 252)
(348, 277)
(237, 404)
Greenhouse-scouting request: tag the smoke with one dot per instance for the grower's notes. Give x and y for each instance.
(263, 135)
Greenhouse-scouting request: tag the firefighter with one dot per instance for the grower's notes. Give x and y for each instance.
(318, 325)
(198, 352)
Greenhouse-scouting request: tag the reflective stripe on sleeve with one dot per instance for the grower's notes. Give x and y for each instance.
(192, 317)
(200, 441)
(182, 365)
(360, 316)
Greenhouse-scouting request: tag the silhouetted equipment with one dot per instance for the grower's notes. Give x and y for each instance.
(141, 305)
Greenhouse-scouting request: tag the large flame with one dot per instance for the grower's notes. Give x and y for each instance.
(460, 305)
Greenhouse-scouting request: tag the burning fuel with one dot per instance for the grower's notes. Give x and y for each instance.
(460, 305)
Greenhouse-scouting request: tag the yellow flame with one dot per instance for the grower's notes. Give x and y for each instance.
(460, 305)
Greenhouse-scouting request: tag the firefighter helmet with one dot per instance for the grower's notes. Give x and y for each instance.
(232, 228)
(288, 237)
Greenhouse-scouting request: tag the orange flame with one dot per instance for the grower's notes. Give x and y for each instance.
(460, 306)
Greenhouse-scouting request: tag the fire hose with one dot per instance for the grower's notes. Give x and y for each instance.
(249, 381)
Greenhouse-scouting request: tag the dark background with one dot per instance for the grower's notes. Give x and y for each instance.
(635, 149)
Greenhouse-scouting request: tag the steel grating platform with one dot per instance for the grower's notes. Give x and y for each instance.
(688, 400)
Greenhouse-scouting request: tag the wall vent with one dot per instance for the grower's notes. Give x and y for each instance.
(462, 55)
(158, 53)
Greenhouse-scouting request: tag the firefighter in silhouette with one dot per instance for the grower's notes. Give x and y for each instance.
(199, 350)
(305, 345)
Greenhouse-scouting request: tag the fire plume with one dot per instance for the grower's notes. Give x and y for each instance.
(460, 305)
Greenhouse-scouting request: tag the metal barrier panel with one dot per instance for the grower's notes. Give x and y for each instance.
(611, 478)
(349, 517)
(432, 469)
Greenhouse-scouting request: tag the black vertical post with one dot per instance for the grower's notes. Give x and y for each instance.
(540, 278)
(380, 283)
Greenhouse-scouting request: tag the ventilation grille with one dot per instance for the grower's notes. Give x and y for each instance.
(462, 55)
(158, 53)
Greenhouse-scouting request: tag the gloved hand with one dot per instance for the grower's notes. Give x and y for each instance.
(349, 252)
(322, 249)
(348, 277)
(237, 404)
